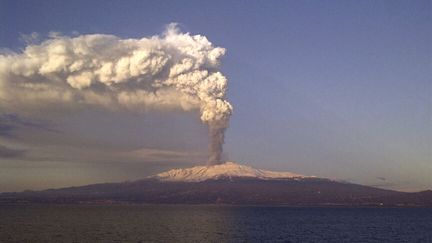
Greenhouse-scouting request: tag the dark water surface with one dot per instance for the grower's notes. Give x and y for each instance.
(68, 223)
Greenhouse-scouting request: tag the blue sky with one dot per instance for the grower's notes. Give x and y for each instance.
(338, 89)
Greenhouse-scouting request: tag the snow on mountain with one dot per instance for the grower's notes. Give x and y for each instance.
(225, 170)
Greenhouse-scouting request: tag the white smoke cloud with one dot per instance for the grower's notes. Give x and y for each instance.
(173, 71)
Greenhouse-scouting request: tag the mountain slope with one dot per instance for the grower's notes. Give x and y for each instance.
(226, 184)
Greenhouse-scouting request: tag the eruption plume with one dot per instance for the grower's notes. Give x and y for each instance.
(172, 71)
(217, 137)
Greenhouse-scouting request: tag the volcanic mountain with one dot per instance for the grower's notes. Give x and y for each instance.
(228, 183)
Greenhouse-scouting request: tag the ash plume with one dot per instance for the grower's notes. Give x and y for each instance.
(172, 71)
(217, 138)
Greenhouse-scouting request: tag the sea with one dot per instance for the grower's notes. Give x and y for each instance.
(212, 223)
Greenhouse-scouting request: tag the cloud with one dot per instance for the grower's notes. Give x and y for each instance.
(11, 123)
(71, 154)
(152, 154)
(6, 130)
(31, 38)
(6, 51)
(6, 152)
(172, 71)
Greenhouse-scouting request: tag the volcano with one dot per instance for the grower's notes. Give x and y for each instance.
(227, 183)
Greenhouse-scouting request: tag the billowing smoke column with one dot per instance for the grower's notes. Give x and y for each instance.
(217, 137)
(173, 71)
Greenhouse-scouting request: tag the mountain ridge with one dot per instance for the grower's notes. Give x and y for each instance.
(239, 185)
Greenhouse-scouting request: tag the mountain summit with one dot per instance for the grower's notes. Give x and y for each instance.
(223, 171)
(227, 183)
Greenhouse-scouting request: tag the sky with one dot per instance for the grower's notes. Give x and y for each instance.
(336, 89)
